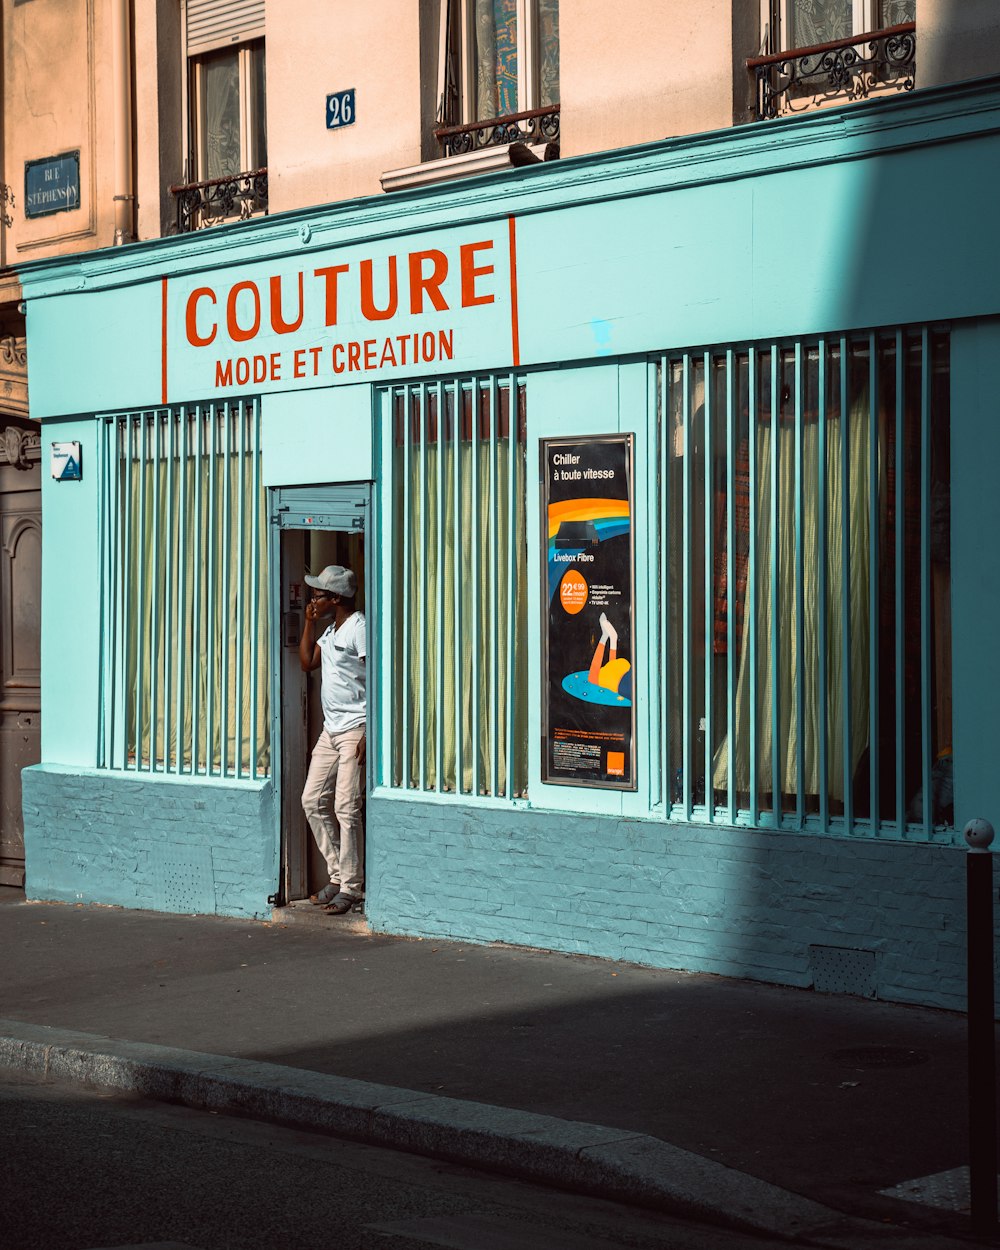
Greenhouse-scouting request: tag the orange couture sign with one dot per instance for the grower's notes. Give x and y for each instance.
(346, 316)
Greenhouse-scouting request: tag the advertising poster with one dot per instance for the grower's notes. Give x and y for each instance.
(588, 714)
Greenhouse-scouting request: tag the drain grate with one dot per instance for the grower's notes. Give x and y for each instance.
(841, 970)
(871, 1058)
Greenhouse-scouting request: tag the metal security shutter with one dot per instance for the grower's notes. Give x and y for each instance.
(320, 507)
(219, 23)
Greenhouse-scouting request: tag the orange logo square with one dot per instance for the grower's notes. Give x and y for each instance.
(616, 763)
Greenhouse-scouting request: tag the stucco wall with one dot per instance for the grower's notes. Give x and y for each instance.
(57, 98)
(660, 69)
(314, 49)
(956, 39)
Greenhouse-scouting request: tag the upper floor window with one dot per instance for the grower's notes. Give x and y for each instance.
(229, 132)
(499, 73)
(226, 131)
(805, 23)
(817, 52)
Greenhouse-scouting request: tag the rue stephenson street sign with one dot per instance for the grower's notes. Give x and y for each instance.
(52, 185)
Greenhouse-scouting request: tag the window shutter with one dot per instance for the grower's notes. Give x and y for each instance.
(218, 23)
(320, 507)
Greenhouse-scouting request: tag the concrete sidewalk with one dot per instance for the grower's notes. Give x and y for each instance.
(775, 1109)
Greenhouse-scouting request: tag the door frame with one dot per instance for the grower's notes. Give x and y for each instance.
(343, 507)
(20, 474)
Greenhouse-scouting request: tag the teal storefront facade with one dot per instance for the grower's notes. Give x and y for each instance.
(797, 324)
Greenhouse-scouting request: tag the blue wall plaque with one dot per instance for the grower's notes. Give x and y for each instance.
(52, 185)
(67, 465)
(340, 109)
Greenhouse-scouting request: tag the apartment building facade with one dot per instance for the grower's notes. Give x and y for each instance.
(631, 363)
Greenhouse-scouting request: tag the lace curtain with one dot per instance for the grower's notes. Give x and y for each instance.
(895, 12)
(220, 104)
(821, 21)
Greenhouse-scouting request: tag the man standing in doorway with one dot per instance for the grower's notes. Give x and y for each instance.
(335, 782)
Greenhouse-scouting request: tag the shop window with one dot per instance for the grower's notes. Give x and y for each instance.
(454, 547)
(499, 60)
(805, 621)
(226, 152)
(817, 52)
(185, 645)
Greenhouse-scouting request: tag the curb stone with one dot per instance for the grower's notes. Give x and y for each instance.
(588, 1158)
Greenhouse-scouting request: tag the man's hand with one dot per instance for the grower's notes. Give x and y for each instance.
(361, 750)
(317, 608)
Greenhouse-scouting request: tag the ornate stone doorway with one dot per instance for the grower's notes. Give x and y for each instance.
(20, 602)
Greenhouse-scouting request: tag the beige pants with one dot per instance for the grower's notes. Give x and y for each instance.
(335, 788)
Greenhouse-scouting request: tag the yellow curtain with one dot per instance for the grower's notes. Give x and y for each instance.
(193, 643)
(483, 589)
(792, 667)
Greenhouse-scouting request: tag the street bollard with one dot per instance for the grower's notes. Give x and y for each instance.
(982, 1056)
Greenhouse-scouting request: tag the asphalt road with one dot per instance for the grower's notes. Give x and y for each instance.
(84, 1169)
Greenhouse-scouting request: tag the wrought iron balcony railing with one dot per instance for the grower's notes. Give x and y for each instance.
(835, 72)
(220, 199)
(531, 127)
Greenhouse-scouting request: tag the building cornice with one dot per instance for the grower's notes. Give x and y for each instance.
(957, 112)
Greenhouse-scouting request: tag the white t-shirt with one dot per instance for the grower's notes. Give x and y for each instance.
(342, 690)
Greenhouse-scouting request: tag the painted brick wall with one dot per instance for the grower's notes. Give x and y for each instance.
(737, 902)
(167, 844)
